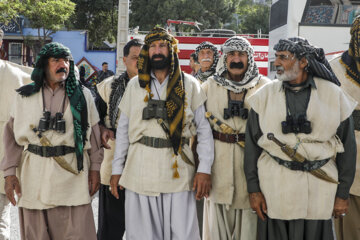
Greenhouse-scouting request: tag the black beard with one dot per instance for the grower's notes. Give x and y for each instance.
(159, 64)
(238, 65)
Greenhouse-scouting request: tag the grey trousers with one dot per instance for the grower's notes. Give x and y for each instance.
(170, 216)
(59, 223)
(275, 229)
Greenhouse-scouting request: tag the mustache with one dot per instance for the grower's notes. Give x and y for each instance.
(61, 70)
(158, 56)
(281, 68)
(239, 65)
(206, 60)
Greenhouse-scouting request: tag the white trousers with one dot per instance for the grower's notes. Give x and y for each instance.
(221, 223)
(4, 217)
(170, 216)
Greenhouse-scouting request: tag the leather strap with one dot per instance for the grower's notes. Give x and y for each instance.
(47, 151)
(229, 138)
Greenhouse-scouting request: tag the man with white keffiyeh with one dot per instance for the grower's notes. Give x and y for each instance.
(227, 212)
(207, 56)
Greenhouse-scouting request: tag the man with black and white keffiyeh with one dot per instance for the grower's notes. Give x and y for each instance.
(208, 56)
(111, 224)
(227, 212)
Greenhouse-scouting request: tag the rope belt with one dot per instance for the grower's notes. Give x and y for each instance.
(229, 138)
(159, 142)
(47, 151)
(305, 166)
(356, 117)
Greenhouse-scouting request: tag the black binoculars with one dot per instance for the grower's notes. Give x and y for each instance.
(236, 108)
(56, 123)
(155, 109)
(293, 125)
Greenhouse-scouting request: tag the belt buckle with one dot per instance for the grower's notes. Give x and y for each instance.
(237, 138)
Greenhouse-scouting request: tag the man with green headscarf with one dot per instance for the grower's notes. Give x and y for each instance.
(160, 110)
(55, 120)
(347, 69)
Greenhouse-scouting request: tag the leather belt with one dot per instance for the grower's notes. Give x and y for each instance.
(305, 166)
(159, 142)
(47, 151)
(229, 138)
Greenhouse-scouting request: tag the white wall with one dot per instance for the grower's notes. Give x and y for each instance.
(331, 39)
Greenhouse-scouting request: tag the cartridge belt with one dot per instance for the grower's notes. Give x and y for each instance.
(47, 151)
(229, 138)
(159, 142)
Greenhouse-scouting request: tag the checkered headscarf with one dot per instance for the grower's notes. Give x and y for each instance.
(317, 63)
(73, 90)
(203, 76)
(242, 45)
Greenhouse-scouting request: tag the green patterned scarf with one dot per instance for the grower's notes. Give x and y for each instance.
(73, 90)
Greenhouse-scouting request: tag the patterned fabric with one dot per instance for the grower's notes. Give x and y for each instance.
(237, 44)
(175, 94)
(73, 90)
(117, 91)
(317, 63)
(351, 58)
(203, 76)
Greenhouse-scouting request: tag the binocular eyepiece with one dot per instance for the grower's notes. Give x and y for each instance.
(296, 125)
(235, 108)
(56, 123)
(155, 109)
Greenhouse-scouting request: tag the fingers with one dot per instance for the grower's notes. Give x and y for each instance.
(105, 135)
(200, 191)
(11, 184)
(112, 135)
(114, 182)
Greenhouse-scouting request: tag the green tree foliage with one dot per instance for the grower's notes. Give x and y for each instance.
(212, 14)
(99, 17)
(47, 16)
(253, 17)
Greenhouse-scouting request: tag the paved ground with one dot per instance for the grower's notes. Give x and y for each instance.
(15, 231)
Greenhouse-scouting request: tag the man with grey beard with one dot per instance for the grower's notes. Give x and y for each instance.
(208, 56)
(300, 151)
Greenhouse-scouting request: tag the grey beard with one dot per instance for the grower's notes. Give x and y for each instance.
(291, 74)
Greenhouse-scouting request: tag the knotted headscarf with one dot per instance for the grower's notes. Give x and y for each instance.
(203, 76)
(175, 93)
(73, 90)
(242, 45)
(317, 63)
(351, 58)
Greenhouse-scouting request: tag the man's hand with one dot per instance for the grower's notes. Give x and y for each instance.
(11, 184)
(106, 134)
(258, 204)
(114, 183)
(340, 207)
(94, 182)
(202, 185)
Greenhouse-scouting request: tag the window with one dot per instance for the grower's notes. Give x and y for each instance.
(15, 53)
(278, 15)
(330, 12)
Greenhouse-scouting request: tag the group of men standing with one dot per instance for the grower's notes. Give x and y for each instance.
(276, 159)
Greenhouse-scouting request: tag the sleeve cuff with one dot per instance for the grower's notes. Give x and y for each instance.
(342, 193)
(95, 166)
(117, 171)
(10, 172)
(203, 168)
(253, 188)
